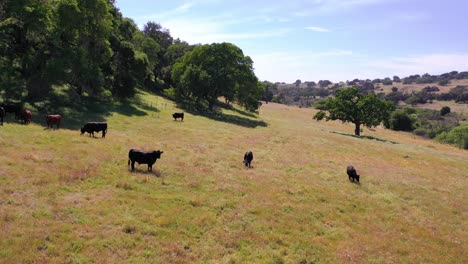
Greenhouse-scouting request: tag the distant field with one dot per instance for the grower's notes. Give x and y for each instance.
(408, 88)
(66, 198)
(437, 105)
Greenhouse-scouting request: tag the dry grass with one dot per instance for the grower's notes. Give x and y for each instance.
(70, 198)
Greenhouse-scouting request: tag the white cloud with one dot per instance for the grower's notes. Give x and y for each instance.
(212, 30)
(318, 29)
(184, 8)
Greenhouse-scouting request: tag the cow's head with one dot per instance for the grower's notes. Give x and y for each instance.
(157, 153)
(82, 130)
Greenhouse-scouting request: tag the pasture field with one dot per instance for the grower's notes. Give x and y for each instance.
(66, 198)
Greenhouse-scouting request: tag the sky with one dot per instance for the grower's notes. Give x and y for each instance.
(314, 40)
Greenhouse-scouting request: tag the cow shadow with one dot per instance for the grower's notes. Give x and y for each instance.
(155, 173)
(365, 137)
(219, 116)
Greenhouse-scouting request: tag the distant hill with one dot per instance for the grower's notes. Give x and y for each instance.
(304, 94)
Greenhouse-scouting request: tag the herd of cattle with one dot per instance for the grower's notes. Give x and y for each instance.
(134, 155)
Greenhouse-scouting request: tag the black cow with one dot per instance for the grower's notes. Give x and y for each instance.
(2, 114)
(12, 108)
(248, 157)
(352, 174)
(92, 127)
(143, 157)
(178, 115)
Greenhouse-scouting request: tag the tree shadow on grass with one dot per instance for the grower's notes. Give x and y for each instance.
(91, 110)
(217, 115)
(365, 137)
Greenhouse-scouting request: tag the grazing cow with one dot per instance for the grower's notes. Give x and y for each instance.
(92, 127)
(26, 116)
(248, 157)
(2, 114)
(178, 115)
(12, 108)
(352, 174)
(53, 120)
(143, 157)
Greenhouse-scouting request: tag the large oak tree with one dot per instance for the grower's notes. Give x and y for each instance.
(215, 70)
(350, 105)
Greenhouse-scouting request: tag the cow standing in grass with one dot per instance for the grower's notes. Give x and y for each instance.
(248, 157)
(92, 127)
(352, 174)
(12, 108)
(143, 157)
(26, 116)
(178, 115)
(53, 120)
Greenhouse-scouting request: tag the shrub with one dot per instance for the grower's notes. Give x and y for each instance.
(444, 110)
(443, 82)
(421, 131)
(457, 136)
(170, 92)
(387, 81)
(401, 121)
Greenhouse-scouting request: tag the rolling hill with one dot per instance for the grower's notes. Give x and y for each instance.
(66, 198)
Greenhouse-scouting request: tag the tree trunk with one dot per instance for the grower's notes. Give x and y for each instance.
(210, 105)
(357, 129)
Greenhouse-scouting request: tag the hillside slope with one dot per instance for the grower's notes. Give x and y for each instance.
(71, 198)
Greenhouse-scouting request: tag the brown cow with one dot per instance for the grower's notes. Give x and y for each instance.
(53, 120)
(26, 116)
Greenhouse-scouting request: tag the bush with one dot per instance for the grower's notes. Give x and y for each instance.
(401, 121)
(444, 110)
(170, 92)
(457, 136)
(387, 81)
(421, 131)
(443, 82)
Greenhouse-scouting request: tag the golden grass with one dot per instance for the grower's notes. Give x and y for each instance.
(71, 198)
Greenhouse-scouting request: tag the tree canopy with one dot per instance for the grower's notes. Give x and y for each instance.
(350, 105)
(220, 69)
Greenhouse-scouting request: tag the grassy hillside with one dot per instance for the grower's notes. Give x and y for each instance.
(71, 198)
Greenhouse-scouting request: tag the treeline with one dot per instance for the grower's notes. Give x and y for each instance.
(69, 50)
(459, 94)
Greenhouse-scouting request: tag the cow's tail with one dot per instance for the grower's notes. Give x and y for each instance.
(128, 162)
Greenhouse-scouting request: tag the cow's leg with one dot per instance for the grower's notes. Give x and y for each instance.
(103, 133)
(133, 165)
(150, 167)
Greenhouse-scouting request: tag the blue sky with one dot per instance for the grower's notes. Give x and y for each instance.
(314, 40)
